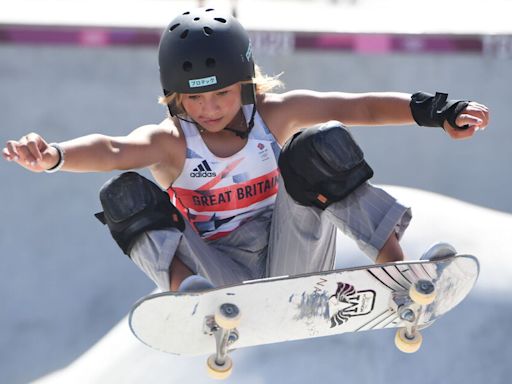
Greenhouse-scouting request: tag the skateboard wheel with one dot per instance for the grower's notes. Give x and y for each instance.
(439, 251)
(217, 371)
(227, 316)
(406, 343)
(423, 292)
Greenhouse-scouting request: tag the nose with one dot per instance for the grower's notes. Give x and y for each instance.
(209, 105)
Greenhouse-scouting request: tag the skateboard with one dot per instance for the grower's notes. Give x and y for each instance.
(407, 295)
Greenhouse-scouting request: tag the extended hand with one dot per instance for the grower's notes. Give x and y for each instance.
(475, 115)
(31, 152)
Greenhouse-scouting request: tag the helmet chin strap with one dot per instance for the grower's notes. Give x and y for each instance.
(250, 125)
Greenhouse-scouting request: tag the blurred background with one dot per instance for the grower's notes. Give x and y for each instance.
(71, 68)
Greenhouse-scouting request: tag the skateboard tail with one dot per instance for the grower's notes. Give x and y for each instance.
(456, 281)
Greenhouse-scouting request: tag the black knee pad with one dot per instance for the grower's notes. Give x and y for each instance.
(132, 205)
(322, 165)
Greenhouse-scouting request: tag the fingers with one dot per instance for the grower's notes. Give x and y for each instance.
(33, 148)
(469, 120)
(26, 155)
(9, 152)
(475, 117)
(27, 151)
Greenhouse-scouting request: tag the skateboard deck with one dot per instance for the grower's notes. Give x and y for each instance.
(305, 306)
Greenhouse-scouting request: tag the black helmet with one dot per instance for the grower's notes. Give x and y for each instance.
(204, 50)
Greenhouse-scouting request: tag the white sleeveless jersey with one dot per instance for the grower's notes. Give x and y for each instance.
(218, 194)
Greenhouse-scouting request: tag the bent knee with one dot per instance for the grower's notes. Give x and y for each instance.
(132, 205)
(322, 165)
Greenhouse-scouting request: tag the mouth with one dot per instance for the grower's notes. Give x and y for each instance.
(209, 121)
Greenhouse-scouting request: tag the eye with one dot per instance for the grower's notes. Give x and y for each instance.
(222, 93)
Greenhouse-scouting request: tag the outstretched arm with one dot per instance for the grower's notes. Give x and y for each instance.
(91, 153)
(289, 112)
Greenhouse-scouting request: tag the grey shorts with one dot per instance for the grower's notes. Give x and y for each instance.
(286, 240)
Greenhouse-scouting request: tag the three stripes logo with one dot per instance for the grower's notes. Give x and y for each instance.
(203, 170)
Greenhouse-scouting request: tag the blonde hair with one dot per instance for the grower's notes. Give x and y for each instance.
(263, 83)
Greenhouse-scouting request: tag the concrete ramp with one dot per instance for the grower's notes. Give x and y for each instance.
(468, 345)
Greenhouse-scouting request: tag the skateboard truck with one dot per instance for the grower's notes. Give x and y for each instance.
(223, 326)
(409, 306)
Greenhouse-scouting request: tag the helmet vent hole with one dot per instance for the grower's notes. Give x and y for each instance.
(210, 9)
(186, 13)
(174, 27)
(220, 20)
(207, 31)
(197, 18)
(184, 34)
(210, 63)
(187, 66)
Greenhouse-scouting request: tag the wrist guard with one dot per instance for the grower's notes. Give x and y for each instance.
(432, 111)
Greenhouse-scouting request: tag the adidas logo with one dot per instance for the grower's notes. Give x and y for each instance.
(203, 170)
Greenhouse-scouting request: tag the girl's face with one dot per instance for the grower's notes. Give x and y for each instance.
(213, 110)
